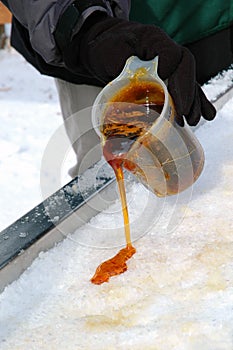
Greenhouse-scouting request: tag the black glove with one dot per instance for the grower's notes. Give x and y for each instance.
(104, 44)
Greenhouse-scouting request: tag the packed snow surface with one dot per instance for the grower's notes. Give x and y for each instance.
(178, 290)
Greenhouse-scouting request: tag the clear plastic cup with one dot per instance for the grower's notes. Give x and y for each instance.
(165, 157)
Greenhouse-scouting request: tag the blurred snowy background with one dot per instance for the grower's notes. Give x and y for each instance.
(29, 115)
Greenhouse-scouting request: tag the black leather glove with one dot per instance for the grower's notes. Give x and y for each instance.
(104, 44)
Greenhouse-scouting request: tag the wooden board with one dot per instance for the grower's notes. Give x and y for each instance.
(5, 15)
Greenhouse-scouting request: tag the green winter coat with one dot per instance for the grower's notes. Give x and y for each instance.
(185, 21)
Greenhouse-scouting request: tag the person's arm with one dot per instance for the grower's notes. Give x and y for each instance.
(40, 18)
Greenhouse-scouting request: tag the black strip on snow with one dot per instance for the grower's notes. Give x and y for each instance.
(24, 232)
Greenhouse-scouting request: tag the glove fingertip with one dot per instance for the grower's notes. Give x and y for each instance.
(194, 117)
(207, 108)
(211, 113)
(194, 114)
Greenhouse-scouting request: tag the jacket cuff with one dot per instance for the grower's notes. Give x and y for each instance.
(72, 19)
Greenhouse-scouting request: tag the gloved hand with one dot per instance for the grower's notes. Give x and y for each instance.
(104, 44)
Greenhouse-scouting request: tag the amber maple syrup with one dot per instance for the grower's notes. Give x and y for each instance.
(123, 123)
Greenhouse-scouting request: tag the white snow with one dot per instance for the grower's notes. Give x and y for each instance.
(29, 115)
(178, 290)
